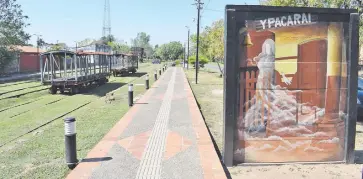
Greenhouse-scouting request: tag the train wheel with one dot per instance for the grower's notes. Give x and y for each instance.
(103, 81)
(52, 90)
(100, 82)
(74, 90)
(61, 90)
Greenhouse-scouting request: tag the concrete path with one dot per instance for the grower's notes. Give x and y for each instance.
(162, 136)
(213, 67)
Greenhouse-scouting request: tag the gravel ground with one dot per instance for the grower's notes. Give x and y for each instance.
(209, 95)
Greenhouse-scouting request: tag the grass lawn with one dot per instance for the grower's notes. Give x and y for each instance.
(40, 154)
(209, 95)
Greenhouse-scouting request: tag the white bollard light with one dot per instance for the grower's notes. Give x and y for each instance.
(70, 141)
(147, 81)
(131, 94)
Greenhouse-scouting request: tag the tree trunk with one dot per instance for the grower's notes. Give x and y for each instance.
(220, 69)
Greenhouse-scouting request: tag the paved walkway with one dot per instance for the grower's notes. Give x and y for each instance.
(162, 136)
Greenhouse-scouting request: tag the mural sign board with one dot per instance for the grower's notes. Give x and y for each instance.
(290, 84)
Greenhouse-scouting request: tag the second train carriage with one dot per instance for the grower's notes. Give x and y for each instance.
(72, 72)
(122, 64)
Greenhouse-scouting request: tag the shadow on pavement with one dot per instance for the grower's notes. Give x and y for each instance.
(358, 156)
(141, 103)
(96, 159)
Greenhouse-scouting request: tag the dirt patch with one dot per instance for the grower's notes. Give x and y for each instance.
(218, 92)
(321, 171)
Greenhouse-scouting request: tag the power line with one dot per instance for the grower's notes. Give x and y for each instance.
(205, 6)
(214, 10)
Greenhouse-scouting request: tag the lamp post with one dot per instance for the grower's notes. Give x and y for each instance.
(188, 47)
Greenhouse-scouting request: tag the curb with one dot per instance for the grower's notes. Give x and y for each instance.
(209, 160)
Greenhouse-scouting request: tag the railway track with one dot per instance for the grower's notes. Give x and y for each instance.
(60, 116)
(6, 92)
(22, 94)
(18, 114)
(7, 85)
(44, 124)
(11, 107)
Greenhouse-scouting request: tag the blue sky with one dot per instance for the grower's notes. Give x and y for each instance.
(74, 20)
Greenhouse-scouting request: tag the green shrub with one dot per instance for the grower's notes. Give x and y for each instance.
(191, 60)
(177, 62)
(202, 60)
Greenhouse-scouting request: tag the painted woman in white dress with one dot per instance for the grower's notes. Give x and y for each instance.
(270, 100)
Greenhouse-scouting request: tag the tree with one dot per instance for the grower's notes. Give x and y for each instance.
(216, 41)
(169, 51)
(106, 40)
(355, 4)
(155, 55)
(41, 43)
(12, 24)
(123, 48)
(119, 47)
(175, 49)
(86, 42)
(162, 52)
(143, 40)
(58, 46)
(203, 42)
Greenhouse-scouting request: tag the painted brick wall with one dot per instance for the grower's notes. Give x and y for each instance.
(29, 62)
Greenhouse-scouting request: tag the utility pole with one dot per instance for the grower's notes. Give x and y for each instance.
(185, 56)
(76, 46)
(188, 47)
(198, 3)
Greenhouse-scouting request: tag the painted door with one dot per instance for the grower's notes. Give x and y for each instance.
(312, 57)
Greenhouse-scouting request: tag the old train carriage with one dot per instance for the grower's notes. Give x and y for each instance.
(72, 72)
(122, 64)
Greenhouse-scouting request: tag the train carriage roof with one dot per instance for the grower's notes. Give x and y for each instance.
(58, 52)
(93, 53)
